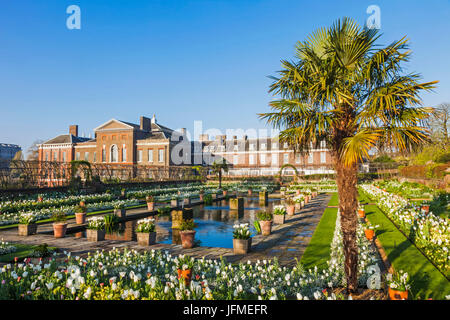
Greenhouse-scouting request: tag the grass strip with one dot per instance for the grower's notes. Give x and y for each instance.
(318, 251)
(22, 251)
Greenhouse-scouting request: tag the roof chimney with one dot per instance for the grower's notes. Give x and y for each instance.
(145, 124)
(73, 130)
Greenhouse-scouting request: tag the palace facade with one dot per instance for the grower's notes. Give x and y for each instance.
(151, 144)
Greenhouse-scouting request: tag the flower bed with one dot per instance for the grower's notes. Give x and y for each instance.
(430, 233)
(131, 275)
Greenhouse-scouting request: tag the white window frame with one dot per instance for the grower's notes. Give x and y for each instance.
(262, 158)
(160, 155)
(251, 159)
(139, 155)
(323, 157)
(311, 158)
(286, 158)
(235, 159)
(150, 155)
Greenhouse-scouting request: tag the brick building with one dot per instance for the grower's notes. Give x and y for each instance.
(264, 156)
(116, 142)
(151, 144)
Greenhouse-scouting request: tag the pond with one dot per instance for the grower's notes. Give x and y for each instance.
(214, 224)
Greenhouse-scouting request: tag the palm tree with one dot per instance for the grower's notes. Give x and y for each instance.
(352, 93)
(217, 168)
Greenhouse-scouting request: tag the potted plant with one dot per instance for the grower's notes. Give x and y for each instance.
(265, 221)
(242, 240)
(425, 208)
(398, 284)
(201, 193)
(174, 201)
(185, 265)
(290, 206)
(279, 214)
(187, 233)
(145, 232)
(59, 224)
(119, 209)
(224, 191)
(80, 214)
(95, 230)
(250, 191)
(369, 230)
(26, 224)
(82, 203)
(208, 199)
(299, 201)
(361, 212)
(150, 202)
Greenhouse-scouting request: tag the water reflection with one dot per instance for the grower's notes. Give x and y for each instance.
(214, 224)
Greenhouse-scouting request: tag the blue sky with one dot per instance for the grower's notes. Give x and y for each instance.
(182, 60)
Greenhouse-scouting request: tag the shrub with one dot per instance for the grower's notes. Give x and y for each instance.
(188, 225)
(264, 216)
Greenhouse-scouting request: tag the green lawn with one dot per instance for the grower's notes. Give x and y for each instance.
(427, 281)
(318, 251)
(22, 251)
(334, 201)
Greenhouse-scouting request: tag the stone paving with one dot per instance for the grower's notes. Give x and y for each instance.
(287, 242)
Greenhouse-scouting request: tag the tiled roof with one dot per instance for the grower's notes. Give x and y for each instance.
(66, 138)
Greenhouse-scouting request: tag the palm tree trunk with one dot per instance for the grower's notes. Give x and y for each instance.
(348, 204)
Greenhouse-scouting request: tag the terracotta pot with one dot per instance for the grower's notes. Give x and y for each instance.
(297, 206)
(242, 246)
(95, 235)
(250, 192)
(146, 238)
(201, 196)
(121, 213)
(398, 295)
(186, 275)
(150, 206)
(369, 234)
(224, 193)
(426, 208)
(290, 210)
(59, 230)
(27, 229)
(361, 213)
(80, 217)
(266, 227)
(82, 204)
(40, 199)
(297, 192)
(174, 203)
(279, 218)
(187, 239)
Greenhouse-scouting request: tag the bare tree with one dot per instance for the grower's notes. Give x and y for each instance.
(439, 124)
(33, 150)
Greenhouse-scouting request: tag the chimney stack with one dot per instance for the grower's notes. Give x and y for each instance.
(73, 130)
(145, 124)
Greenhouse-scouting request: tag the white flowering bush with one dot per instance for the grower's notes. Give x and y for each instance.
(6, 248)
(430, 233)
(146, 225)
(398, 281)
(241, 231)
(279, 210)
(96, 223)
(27, 218)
